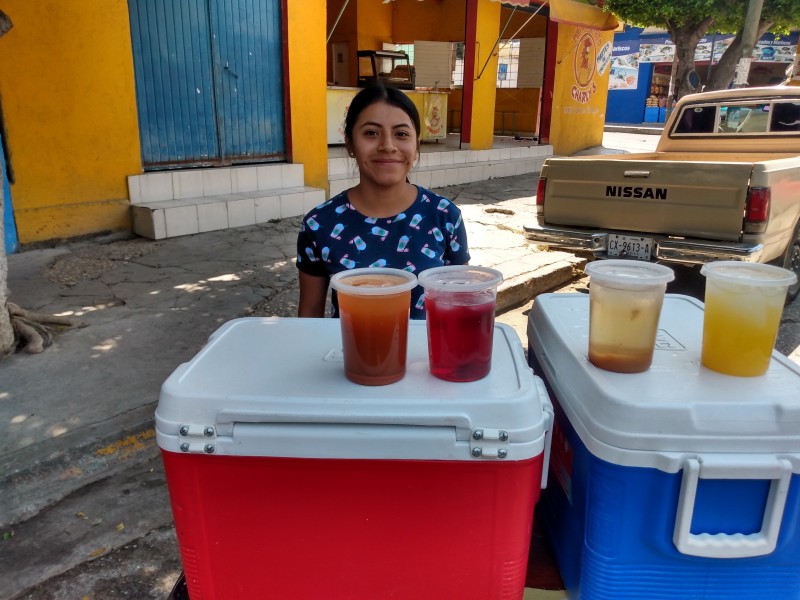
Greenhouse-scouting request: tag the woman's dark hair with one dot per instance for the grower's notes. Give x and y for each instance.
(379, 92)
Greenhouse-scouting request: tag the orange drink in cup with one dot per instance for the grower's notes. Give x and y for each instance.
(374, 307)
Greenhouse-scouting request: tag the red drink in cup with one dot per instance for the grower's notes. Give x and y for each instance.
(460, 339)
(460, 303)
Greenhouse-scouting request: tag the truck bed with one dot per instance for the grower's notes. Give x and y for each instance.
(716, 157)
(650, 193)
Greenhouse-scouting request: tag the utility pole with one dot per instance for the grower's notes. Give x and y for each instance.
(748, 42)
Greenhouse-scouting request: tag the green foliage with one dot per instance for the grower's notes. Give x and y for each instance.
(679, 13)
(728, 15)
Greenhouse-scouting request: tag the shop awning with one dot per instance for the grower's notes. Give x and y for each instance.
(514, 2)
(576, 12)
(573, 12)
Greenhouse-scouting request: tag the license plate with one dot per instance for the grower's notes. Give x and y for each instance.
(628, 246)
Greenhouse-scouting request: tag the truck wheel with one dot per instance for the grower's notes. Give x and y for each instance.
(791, 260)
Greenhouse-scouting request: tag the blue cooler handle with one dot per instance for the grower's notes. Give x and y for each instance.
(735, 545)
(548, 418)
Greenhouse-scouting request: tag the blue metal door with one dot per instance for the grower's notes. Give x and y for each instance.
(209, 81)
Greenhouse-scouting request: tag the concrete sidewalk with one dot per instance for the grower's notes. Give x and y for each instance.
(84, 407)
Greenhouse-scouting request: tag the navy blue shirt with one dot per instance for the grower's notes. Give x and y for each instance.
(335, 237)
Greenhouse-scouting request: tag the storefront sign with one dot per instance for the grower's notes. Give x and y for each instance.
(656, 49)
(435, 111)
(659, 49)
(585, 64)
(781, 50)
(624, 66)
(604, 58)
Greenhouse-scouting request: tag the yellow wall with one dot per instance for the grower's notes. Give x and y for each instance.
(483, 95)
(522, 101)
(434, 20)
(344, 32)
(68, 96)
(307, 103)
(374, 23)
(523, 23)
(580, 91)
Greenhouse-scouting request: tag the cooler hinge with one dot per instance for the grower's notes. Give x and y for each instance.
(198, 439)
(489, 443)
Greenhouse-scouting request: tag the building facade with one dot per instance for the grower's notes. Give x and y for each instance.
(95, 93)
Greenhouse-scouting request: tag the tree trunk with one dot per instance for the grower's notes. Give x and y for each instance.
(685, 39)
(6, 330)
(725, 70)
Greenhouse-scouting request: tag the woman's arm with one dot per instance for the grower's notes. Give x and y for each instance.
(313, 295)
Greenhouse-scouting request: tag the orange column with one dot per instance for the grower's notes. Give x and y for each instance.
(470, 44)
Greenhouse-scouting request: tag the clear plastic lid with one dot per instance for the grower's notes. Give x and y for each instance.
(628, 273)
(460, 278)
(756, 274)
(373, 281)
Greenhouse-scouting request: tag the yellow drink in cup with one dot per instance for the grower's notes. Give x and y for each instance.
(743, 307)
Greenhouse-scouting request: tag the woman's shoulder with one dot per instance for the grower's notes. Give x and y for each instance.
(331, 205)
(441, 204)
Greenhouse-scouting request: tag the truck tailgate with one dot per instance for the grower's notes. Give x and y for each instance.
(690, 199)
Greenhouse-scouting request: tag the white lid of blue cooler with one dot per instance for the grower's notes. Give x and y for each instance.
(677, 407)
(276, 387)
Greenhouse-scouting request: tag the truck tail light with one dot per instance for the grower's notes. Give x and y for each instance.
(540, 187)
(757, 210)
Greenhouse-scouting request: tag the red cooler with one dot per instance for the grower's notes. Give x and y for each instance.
(289, 481)
(678, 482)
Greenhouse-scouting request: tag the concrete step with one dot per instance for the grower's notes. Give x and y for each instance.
(451, 167)
(175, 203)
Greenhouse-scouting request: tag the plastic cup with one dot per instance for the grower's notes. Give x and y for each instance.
(374, 304)
(743, 307)
(625, 299)
(460, 303)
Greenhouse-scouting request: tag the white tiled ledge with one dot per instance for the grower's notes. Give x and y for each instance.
(187, 216)
(433, 177)
(427, 160)
(195, 183)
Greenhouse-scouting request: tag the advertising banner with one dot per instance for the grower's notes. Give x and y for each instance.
(624, 65)
(660, 49)
(770, 49)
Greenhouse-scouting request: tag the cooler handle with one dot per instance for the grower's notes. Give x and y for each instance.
(549, 418)
(736, 545)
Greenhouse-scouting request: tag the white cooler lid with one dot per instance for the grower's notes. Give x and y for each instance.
(276, 387)
(677, 406)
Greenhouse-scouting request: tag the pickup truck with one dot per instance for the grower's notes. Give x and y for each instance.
(722, 184)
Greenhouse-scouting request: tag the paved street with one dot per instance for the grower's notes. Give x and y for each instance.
(92, 521)
(83, 486)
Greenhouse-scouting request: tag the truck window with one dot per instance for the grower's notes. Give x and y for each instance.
(697, 119)
(743, 118)
(785, 116)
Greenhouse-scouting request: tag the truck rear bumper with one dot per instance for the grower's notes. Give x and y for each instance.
(665, 249)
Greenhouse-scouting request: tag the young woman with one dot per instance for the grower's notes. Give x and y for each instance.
(384, 221)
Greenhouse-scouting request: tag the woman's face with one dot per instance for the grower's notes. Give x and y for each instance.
(384, 144)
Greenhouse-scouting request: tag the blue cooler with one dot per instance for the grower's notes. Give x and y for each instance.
(678, 482)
